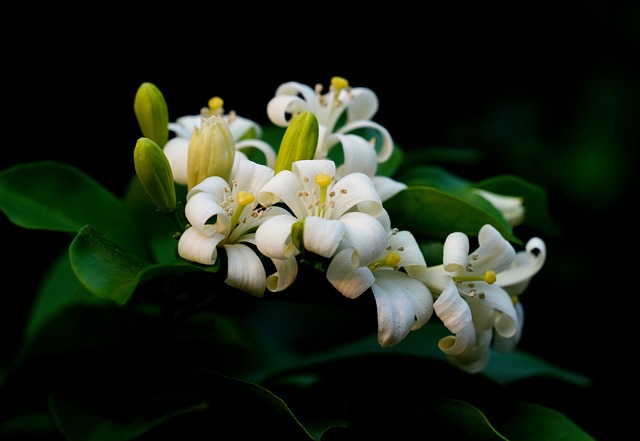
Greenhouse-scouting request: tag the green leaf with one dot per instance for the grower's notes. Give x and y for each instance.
(53, 196)
(535, 200)
(531, 422)
(247, 410)
(109, 272)
(80, 424)
(431, 213)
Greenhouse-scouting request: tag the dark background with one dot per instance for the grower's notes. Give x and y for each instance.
(546, 93)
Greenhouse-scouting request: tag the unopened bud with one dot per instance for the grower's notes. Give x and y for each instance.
(299, 141)
(154, 172)
(211, 151)
(152, 113)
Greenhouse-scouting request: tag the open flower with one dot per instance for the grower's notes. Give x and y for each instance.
(226, 215)
(245, 133)
(403, 302)
(470, 302)
(323, 208)
(356, 105)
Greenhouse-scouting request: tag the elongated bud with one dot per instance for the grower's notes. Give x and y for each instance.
(154, 172)
(299, 141)
(211, 151)
(152, 113)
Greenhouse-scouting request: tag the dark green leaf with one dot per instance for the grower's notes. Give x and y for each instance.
(58, 197)
(431, 213)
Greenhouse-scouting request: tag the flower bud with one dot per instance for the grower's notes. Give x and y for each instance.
(154, 172)
(299, 141)
(211, 151)
(152, 113)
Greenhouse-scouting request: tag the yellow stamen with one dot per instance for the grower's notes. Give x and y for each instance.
(392, 259)
(244, 198)
(323, 182)
(215, 104)
(489, 276)
(339, 83)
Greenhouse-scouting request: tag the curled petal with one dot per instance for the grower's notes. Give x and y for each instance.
(363, 105)
(456, 251)
(508, 344)
(200, 208)
(213, 185)
(196, 247)
(273, 237)
(412, 258)
(456, 316)
(477, 359)
(264, 147)
(346, 276)
(500, 310)
(286, 272)
(284, 187)
(359, 156)
(183, 127)
(245, 270)
(526, 264)
(365, 234)
(240, 127)
(403, 304)
(322, 236)
(386, 149)
(494, 251)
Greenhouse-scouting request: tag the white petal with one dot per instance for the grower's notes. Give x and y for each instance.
(322, 236)
(213, 185)
(176, 150)
(456, 252)
(386, 149)
(387, 187)
(456, 316)
(477, 359)
(363, 105)
(284, 187)
(286, 272)
(494, 251)
(402, 303)
(526, 264)
(359, 156)
(239, 127)
(264, 147)
(200, 208)
(508, 344)
(196, 247)
(273, 237)
(412, 259)
(348, 278)
(245, 270)
(251, 176)
(356, 190)
(184, 125)
(366, 235)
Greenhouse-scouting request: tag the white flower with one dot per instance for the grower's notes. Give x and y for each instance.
(245, 132)
(328, 209)
(403, 302)
(355, 105)
(360, 156)
(472, 304)
(226, 215)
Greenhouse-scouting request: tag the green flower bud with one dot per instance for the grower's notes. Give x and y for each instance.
(152, 113)
(154, 172)
(299, 141)
(211, 151)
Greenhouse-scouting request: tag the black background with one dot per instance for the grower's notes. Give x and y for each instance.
(548, 93)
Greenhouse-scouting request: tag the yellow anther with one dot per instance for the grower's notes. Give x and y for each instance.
(339, 83)
(490, 276)
(215, 104)
(245, 198)
(392, 259)
(514, 300)
(323, 180)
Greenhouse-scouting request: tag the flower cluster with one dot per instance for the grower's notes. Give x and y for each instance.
(320, 199)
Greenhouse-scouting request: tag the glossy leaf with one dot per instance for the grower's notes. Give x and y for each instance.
(426, 211)
(53, 196)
